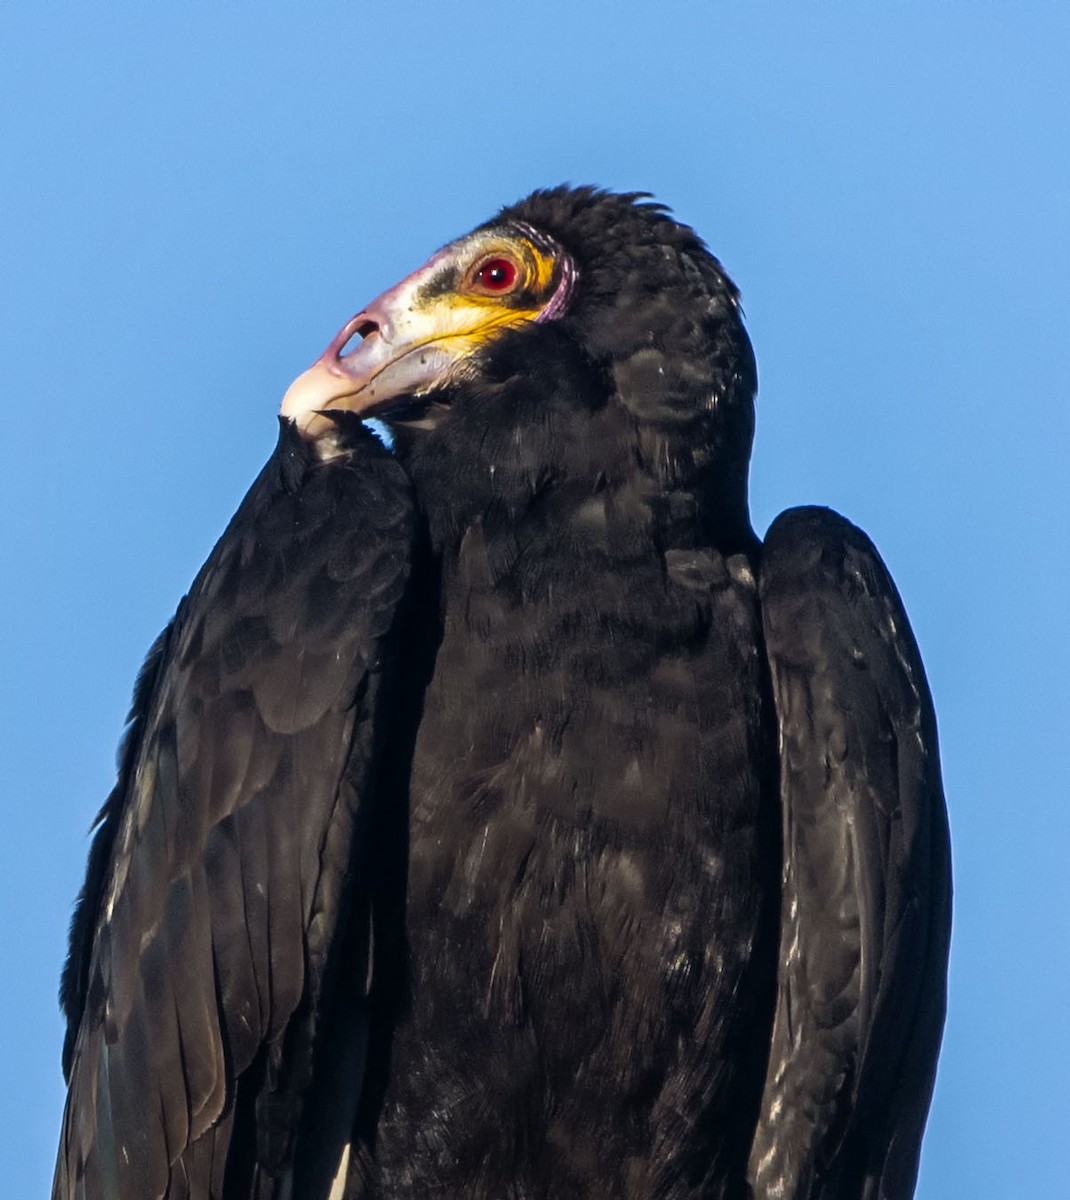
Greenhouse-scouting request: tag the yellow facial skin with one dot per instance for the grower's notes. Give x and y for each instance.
(423, 331)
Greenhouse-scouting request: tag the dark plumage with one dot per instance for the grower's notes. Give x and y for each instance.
(501, 817)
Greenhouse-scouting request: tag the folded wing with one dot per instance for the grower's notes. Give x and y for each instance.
(221, 878)
(866, 907)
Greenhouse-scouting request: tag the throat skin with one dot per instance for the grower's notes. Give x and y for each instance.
(591, 912)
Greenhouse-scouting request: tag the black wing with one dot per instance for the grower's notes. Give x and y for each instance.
(218, 884)
(866, 911)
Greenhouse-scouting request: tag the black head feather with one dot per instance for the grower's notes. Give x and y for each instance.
(648, 369)
(651, 299)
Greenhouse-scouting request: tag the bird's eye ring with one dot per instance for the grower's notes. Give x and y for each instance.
(496, 275)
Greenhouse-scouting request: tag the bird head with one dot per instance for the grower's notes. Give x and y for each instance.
(571, 322)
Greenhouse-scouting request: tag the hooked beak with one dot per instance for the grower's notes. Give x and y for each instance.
(395, 350)
(428, 329)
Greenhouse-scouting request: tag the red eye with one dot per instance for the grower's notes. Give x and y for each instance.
(497, 275)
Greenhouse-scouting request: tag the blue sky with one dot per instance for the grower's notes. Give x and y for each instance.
(194, 197)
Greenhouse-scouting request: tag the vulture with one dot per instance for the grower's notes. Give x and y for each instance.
(500, 817)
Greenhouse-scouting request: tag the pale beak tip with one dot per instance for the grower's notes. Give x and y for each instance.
(311, 392)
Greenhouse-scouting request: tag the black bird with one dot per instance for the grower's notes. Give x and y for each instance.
(499, 817)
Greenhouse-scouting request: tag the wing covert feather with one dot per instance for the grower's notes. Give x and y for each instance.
(866, 907)
(218, 879)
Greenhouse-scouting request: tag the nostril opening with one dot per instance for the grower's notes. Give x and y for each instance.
(363, 330)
